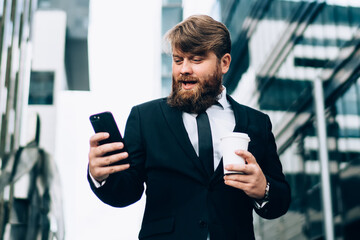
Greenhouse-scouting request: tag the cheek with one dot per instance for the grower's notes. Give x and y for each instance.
(175, 69)
(205, 69)
(176, 74)
(200, 72)
(206, 73)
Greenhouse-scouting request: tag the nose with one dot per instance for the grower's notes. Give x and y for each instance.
(186, 68)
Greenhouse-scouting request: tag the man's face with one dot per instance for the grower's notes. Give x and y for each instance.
(197, 80)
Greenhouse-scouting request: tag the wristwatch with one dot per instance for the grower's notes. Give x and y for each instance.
(267, 189)
(259, 204)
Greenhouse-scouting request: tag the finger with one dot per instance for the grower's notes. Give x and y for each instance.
(115, 158)
(249, 158)
(101, 167)
(237, 177)
(94, 139)
(102, 173)
(97, 158)
(236, 167)
(243, 169)
(235, 184)
(117, 168)
(106, 148)
(249, 189)
(109, 169)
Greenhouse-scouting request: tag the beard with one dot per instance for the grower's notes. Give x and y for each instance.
(201, 97)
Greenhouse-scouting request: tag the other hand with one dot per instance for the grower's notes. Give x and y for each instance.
(252, 181)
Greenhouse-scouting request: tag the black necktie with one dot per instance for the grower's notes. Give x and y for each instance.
(205, 142)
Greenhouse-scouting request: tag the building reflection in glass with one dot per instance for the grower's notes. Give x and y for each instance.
(279, 48)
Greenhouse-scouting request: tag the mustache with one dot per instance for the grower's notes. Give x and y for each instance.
(185, 78)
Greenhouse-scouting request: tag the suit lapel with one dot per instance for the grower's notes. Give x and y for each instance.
(175, 122)
(241, 118)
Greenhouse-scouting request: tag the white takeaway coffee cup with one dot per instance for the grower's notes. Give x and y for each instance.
(229, 144)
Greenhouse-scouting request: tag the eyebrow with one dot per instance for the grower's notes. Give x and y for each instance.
(190, 55)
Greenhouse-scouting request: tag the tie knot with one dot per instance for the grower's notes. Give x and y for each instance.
(202, 115)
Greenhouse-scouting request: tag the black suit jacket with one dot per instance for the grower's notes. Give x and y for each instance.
(182, 201)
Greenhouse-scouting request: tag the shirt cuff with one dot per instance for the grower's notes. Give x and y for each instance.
(259, 204)
(96, 183)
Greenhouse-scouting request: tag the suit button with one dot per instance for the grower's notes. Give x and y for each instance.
(203, 224)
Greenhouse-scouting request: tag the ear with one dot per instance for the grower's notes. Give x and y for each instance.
(225, 62)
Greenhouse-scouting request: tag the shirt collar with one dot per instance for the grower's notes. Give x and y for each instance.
(222, 99)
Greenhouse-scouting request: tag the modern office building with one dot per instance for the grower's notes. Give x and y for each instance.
(40, 42)
(281, 48)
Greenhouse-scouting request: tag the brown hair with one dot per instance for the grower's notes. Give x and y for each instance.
(199, 34)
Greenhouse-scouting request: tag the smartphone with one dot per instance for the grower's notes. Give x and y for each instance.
(105, 122)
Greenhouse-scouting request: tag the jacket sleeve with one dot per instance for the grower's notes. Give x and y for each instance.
(279, 193)
(126, 187)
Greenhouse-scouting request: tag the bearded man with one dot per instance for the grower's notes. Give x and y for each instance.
(187, 194)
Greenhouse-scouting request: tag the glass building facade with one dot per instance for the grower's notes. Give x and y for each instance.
(15, 41)
(279, 48)
(172, 14)
(30, 190)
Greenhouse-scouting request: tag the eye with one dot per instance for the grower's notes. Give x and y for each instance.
(197, 59)
(177, 60)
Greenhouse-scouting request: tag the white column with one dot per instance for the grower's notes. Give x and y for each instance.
(324, 159)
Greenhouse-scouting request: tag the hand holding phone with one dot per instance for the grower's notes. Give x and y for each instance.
(105, 122)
